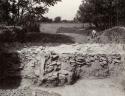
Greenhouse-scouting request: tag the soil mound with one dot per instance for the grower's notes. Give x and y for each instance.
(113, 35)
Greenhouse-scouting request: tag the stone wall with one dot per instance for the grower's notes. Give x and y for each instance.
(47, 67)
(53, 69)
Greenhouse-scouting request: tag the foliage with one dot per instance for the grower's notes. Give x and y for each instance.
(57, 19)
(46, 20)
(102, 13)
(4, 11)
(20, 11)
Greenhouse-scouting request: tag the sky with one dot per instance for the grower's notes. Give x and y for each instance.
(67, 9)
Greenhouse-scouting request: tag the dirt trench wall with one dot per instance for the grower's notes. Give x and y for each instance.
(53, 69)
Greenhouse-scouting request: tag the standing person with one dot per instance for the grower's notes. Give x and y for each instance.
(93, 34)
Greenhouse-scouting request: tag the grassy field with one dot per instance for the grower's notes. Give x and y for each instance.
(83, 35)
(53, 27)
(73, 30)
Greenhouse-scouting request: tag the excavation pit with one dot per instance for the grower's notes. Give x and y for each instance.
(65, 64)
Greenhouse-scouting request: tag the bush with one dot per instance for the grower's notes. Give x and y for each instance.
(11, 34)
(32, 27)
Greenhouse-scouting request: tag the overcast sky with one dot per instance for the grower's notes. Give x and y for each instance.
(66, 9)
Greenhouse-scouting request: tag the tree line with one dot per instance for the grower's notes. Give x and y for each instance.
(20, 12)
(102, 13)
(19, 17)
(57, 19)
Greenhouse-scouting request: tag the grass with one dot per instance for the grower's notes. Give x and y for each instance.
(48, 38)
(53, 27)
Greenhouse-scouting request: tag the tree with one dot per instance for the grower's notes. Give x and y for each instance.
(46, 20)
(21, 10)
(4, 11)
(57, 19)
(102, 13)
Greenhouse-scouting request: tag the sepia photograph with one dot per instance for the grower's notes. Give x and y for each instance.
(62, 47)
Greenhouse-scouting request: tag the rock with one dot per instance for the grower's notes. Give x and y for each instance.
(95, 57)
(109, 59)
(80, 59)
(62, 79)
(52, 53)
(87, 60)
(69, 78)
(49, 69)
(116, 61)
(51, 76)
(117, 56)
(88, 64)
(53, 63)
(55, 57)
(42, 64)
(58, 63)
(31, 63)
(73, 65)
(103, 63)
(80, 63)
(103, 58)
(37, 72)
(95, 65)
(72, 61)
(91, 59)
(56, 68)
(66, 66)
(64, 72)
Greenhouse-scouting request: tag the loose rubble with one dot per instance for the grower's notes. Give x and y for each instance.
(27, 92)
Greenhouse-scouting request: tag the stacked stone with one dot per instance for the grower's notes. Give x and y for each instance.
(31, 59)
(53, 69)
(66, 69)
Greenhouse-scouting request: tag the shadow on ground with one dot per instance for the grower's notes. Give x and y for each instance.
(81, 31)
(47, 38)
(37, 39)
(10, 77)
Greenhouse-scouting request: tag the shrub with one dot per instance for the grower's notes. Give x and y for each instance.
(11, 34)
(32, 27)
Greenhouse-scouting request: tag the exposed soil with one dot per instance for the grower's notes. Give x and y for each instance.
(109, 86)
(90, 87)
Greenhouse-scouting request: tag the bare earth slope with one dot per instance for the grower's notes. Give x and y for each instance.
(98, 87)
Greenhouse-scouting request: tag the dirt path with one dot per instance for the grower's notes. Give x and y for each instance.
(98, 87)
(78, 38)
